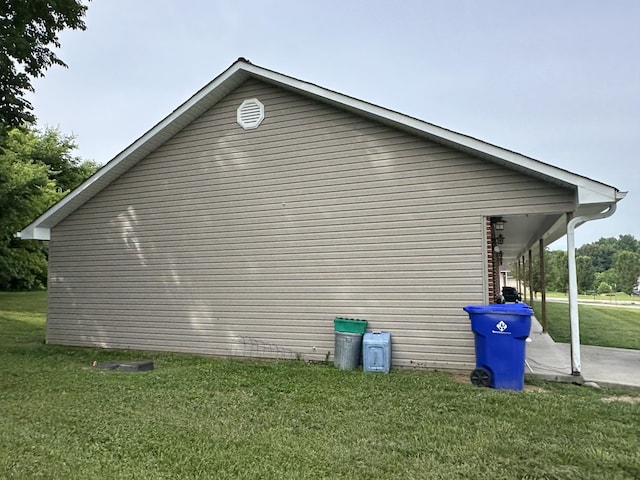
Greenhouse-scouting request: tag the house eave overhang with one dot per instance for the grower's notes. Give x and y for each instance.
(588, 192)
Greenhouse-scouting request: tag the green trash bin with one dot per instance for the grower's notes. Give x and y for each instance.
(348, 342)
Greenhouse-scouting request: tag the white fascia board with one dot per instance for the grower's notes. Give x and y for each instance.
(588, 195)
(35, 233)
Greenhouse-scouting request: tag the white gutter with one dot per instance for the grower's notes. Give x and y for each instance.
(573, 284)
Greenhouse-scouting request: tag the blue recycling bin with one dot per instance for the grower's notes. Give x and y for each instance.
(500, 332)
(376, 352)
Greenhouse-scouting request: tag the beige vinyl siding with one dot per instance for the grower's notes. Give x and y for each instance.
(248, 243)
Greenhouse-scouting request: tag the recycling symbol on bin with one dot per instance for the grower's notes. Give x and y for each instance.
(501, 326)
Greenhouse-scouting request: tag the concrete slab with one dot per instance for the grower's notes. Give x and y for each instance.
(608, 366)
(544, 359)
(613, 367)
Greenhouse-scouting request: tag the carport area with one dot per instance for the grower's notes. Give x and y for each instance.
(512, 239)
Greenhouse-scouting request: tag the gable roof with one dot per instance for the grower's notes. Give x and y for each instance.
(591, 196)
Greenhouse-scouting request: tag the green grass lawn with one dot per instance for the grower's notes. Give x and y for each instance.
(203, 418)
(609, 298)
(600, 325)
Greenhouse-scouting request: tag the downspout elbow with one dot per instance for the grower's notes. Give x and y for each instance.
(577, 221)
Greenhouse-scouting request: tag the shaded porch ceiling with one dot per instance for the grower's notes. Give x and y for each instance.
(522, 233)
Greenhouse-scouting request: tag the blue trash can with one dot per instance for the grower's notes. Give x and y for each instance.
(500, 333)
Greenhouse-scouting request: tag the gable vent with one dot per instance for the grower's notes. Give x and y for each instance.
(250, 113)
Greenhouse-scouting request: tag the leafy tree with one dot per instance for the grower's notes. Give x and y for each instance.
(627, 270)
(28, 186)
(534, 267)
(559, 278)
(608, 277)
(601, 253)
(603, 288)
(585, 273)
(594, 265)
(28, 28)
(628, 243)
(52, 148)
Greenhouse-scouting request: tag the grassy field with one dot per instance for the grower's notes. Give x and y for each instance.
(203, 418)
(600, 325)
(617, 297)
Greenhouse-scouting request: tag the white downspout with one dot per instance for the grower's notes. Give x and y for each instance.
(576, 366)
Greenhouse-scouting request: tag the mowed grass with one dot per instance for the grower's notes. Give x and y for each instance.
(603, 326)
(205, 418)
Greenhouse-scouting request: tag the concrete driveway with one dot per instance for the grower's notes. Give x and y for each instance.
(615, 367)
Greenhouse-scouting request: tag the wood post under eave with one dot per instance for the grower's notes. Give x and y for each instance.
(530, 278)
(543, 287)
(521, 286)
(524, 278)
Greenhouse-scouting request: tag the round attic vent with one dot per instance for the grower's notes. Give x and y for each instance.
(250, 113)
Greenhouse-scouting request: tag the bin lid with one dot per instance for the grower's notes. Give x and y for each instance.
(500, 308)
(377, 335)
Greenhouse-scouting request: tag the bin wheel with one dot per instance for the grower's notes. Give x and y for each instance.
(481, 377)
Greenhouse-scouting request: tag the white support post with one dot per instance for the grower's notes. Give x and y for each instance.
(576, 365)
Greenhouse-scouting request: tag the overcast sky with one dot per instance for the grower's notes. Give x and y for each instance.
(558, 81)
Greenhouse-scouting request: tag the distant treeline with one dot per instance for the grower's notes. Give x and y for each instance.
(607, 265)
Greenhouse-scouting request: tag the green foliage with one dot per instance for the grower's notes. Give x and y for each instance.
(536, 277)
(628, 243)
(202, 418)
(600, 252)
(36, 170)
(610, 261)
(608, 277)
(54, 149)
(27, 31)
(603, 288)
(627, 270)
(558, 279)
(585, 273)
